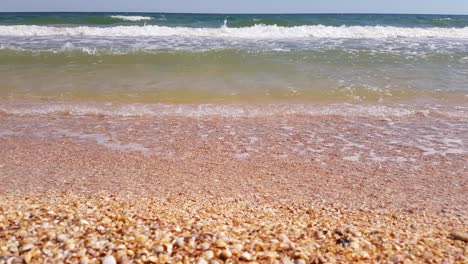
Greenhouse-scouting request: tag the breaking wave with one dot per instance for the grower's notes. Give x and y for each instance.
(241, 110)
(254, 32)
(132, 18)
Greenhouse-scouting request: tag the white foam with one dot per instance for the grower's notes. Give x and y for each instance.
(354, 158)
(7, 133)
(138, 109)
(254, 32)
(132, 18)
(104, 140)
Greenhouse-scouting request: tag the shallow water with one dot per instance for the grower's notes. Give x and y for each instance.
(192, 58)
(402, 135)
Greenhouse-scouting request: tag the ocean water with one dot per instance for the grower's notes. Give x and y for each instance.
(379, 90)
(191, 58)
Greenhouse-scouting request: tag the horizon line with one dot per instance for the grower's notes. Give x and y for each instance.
(229, 13)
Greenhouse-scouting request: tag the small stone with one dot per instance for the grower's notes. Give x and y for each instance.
(246, 256)
(26, 247)
(354, 245)
(179, 241)
(220, 244)
(153, 259)
(208, 254)
(343, 241)
(397, 259)
(299, 261)
(106, 221)
(84, 222)
(109, 260)
(168, 248)
(61, 237)
(283, 238)
(100, 229)
(84, 260)
(163, 258)
(225, 254)
(427, 256)
(141, 238)
(205, 246)
(239, 247)
(319, 235)
(286, 260)
(22, 233)
(121, 256)
(28, 257)
(159, 249)
(271, 255)
(202, 261)
(13, 249)
(459, 236)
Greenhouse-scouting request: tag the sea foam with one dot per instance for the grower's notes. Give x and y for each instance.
(208, 110)
(132, 18)
(254, 32)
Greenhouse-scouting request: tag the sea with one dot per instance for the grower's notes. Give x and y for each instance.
(376, 88)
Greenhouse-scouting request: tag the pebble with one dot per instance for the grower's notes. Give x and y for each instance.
(397, 259)
(141, 238)
(84, 260)
(459, 236)
(28, 257)
(299, 261)
(246, 256)
(180, 241)
(61, 237)
(153, 259)
(242, 232)
(319, 235)
(208, 254)
(220, 244)
(109, 260)
(26, 247)
(283, 238)
(159, 249)
(225, 254)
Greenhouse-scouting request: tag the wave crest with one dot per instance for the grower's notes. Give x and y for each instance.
(132, 18)
(254, 32)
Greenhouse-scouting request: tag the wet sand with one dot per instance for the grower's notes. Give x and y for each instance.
(45, 166)
(400, 201)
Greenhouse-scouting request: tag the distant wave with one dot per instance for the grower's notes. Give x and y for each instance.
(132, 18)
(254, 32)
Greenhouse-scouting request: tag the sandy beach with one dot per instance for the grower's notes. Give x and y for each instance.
(79, 199)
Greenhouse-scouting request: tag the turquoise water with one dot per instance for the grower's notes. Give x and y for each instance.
(225, 57)
(234, 20)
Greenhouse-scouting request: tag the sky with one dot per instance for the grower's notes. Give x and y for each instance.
(242, 6)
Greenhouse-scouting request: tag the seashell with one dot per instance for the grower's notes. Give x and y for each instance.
(208, 254)
(246, 256)
(220, 243)
(109, 260)
(26, 247)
